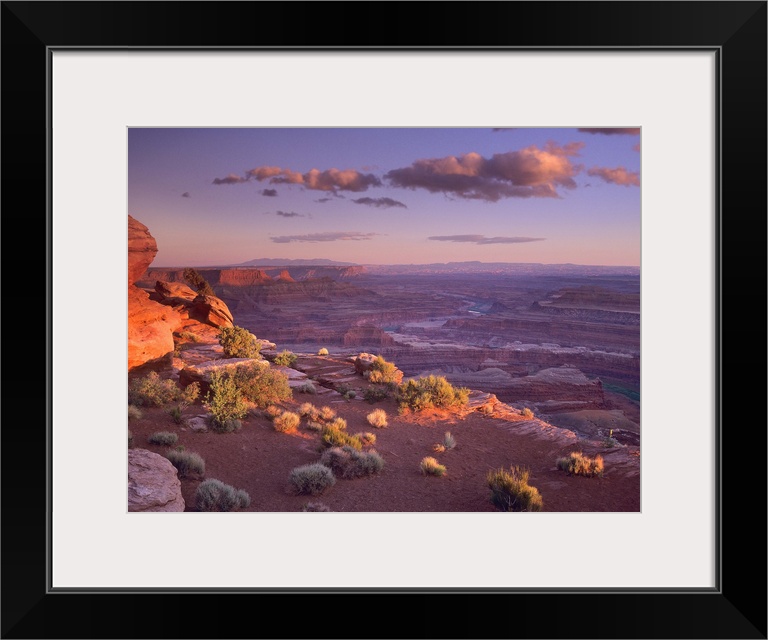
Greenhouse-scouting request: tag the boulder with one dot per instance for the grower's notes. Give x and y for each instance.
(142, 249)
(211, 310)
(174, 290)
(153, 483)
(150, 328)
(363, 362)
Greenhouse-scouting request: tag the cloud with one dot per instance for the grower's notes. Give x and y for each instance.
(327, 236)
(230, 179)
(324, 200)
(619, 175)
(478, 239)
(382, 203)
(269, 193)
(528, 173)
(328, 180)
(186, 195)
(612, 131)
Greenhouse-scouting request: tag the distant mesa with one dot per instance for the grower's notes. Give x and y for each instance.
(284, 262)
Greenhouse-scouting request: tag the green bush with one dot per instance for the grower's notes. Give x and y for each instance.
(134, 413)
(377, 418)
(187, 462)
(287, 422)
(197, 281)
(431, 467)
(383, 372)
(225, 400)
(238, 342)
(350, 395)
(348, 462)
(334, 435)
(261, 384)
(214, 495)
(323, 352)
(577, 464)
(163, 438)
(189, 394)
(175, 413)
(312, 479)
(510, 490)
(152, 391)
(285, 358)
(431, 392)
(374, 394)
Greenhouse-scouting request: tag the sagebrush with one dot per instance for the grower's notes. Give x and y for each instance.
(510, 490)
(312, 479)
(215, 495)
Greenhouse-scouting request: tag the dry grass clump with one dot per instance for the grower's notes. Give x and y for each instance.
(327, 414)
(312, 479)
(287, 422)
(335, 435)
(309, 411)
(214, 495)
(510, 490)
(347, 462)
(431, 467)
(186, 462)
(577, 464)
(315, 506)
(377, 418)
(134, 413)
(163, 438)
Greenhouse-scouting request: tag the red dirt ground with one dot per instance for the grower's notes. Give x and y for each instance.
(259, 459)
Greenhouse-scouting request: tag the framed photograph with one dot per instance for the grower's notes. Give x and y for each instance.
(100, 86)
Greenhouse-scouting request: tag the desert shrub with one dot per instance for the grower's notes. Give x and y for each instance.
(227, 426)
(350, 395)
(377, 418)
(577, 464)
(431, 392)
(272, 411)
(313, 479)
(326, 413)
(286, 422)
(438, 448)
(313, 425)
(308, 388)
(130, 439)
(285, 358)
(187, 462)
(315, 506)
(382, 372)
(431, 467)
(164, 438)
(367, 438)
(510, 490)
(487, 409)
(189, 336)
(151, 390)
(322, 352)
(214, 495)
(261, 384)
(449, 442)
(175, 413)
(189, 394)
(348, 462)
(225, 400)
(527, 413)
(197, 281)
(374, 394)
(334, 435)
(134, 413)
(309, 411)
(238, 342)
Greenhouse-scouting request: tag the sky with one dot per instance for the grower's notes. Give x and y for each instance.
(224, 196)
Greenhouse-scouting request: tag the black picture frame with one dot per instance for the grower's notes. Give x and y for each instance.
(736, 608)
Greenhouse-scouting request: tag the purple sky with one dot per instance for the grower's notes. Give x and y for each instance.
(388, 196)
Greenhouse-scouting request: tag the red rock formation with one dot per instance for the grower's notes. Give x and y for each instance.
(153, 483)
(150, 324)
(285, 276)
(191, 305)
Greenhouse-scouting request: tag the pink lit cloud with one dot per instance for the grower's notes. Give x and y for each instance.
(528, 173)
(619, 176)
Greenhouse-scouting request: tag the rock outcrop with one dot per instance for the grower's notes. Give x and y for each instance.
(153, 483)
(150, 324)
(191, 305)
